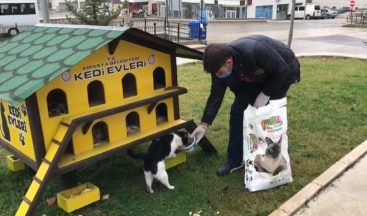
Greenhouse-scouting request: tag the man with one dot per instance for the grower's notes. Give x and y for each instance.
(256, 69)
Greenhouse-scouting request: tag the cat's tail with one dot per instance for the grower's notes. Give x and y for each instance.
(136, 155)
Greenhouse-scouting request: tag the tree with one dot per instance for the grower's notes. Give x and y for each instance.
(94, 12)
(290, 36)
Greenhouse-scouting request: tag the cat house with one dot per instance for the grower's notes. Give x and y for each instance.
(72, 95)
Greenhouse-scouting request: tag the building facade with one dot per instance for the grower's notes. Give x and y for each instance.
(269, 9)
(208, 9)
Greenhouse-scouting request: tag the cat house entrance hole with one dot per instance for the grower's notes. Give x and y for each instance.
(129, 86)
(56, 103)
(159, 78)
(96, 93)
(132, 123)
(161, 113)
(100, 133)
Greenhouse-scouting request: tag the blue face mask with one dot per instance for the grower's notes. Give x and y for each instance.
(225, 75)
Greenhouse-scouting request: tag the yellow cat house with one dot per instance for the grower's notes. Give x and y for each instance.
(72, 95)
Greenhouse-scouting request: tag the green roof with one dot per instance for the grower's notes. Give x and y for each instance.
(38, 55)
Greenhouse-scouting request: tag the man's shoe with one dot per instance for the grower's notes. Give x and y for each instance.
(226, 169)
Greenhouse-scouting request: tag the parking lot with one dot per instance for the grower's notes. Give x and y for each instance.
(309, 35)
(278, 29)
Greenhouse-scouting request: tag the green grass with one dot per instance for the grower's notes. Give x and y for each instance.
(327, 119)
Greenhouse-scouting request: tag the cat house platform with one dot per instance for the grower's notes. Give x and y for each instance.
(72, 95)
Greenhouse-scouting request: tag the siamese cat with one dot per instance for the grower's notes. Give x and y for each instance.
(272, 161)
(161, 149)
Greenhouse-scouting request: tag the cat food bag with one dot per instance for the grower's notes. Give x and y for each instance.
(266, 146)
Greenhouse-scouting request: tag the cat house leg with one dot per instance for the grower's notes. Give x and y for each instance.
(69, 180)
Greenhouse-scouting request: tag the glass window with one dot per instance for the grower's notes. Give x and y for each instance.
(16, 9)
(4, 9)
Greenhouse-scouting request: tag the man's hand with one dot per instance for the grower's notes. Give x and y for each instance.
(199, 131)
(261, 100)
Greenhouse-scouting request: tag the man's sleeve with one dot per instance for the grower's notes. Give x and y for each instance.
(214, 101)
(274, 66)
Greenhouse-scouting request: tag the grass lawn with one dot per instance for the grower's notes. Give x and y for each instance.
(327, 119)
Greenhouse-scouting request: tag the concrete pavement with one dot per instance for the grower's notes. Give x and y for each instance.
(341, 189)
(346, 195)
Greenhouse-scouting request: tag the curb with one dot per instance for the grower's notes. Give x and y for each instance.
(254, 20)
(300, 199)
(183, 61)
(331, 55)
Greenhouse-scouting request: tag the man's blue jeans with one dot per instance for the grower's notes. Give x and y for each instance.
(245, 96)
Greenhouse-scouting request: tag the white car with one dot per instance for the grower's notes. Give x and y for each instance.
(308, 11)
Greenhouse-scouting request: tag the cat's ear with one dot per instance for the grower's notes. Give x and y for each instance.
(156, 140)
(280, 140)
(268, 140)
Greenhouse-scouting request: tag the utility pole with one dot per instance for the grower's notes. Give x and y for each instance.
(44, 6)
(166, 19)
(167, 10)
(201, 10)
(290, 36)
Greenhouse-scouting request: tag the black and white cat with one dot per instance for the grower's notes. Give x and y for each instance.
(272, 161)
(161, 149)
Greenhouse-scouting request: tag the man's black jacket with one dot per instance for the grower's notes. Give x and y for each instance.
(257, 59)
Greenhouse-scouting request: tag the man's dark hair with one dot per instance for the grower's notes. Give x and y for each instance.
(215, 55)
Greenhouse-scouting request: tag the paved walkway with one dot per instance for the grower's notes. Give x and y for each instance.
(342, 189)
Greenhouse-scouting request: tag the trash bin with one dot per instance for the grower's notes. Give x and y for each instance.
(198, 29)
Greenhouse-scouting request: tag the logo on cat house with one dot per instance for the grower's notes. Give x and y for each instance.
(272, 124)
(111, 66)
(151, 59)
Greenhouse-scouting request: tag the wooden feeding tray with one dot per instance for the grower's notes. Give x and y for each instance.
(179, 159)
(14, 163)
(78, 197)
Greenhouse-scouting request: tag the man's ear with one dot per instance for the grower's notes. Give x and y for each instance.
(229, 60)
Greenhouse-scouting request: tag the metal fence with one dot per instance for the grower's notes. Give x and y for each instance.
(177, 31)
(358, 18)
(174, 30)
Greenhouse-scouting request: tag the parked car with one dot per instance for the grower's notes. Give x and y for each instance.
(306, 12)
(138, 14)
(326, 13)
